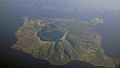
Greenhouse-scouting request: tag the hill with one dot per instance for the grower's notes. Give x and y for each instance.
(42, 38)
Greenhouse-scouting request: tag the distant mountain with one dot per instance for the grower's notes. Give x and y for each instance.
(42, 39)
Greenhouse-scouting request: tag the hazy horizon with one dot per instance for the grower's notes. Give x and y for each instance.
(69, 5)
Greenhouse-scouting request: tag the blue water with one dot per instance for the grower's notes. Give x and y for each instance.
(10, 21)
(110, 36)
(51, 36)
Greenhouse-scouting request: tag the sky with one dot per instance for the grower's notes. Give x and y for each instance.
(70, 5)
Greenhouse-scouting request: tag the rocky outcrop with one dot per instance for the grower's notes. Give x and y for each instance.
(99, 20)
(64, 36)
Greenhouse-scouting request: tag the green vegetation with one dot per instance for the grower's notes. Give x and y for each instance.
(79, 43)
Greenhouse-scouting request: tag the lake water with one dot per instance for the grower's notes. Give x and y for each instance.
(10, 21)
(50, 36)
(51, 32)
